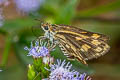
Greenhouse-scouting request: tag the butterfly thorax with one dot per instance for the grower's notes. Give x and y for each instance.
(50, 30)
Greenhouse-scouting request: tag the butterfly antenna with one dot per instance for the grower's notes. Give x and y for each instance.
(40, 20)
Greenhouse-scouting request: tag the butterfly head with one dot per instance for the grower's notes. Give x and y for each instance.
(49, 30)
(45, 26)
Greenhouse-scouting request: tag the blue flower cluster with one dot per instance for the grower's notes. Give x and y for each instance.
(59, 71)
(37, 50)
(62, 71)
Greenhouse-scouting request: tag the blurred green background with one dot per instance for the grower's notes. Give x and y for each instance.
(101, 16)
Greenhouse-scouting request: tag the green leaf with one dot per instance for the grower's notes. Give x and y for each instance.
(66, 12)
(21, 54)
(18, 24)
(99, 9)
(14, 72)
(31, 72)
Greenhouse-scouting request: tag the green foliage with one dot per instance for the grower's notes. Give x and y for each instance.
(60, 12)
(66, 12)
(37, 70)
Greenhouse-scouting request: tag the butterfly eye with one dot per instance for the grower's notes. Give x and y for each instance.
(46, 27)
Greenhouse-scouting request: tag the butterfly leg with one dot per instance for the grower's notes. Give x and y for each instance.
(52, 46)
(42, 37)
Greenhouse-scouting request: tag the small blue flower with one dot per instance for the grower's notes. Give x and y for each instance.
(4, 2)
(48, 60)
(0, 70)
(37, 50)
(1, 18)
(28, 5)
(84, 77)
(62, 71)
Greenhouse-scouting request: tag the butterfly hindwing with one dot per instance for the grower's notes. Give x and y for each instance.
(85, 47)
(69, 49)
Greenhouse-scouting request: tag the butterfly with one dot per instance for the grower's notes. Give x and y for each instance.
(76, 43)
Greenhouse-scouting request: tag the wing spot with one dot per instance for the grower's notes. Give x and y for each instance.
(98, 49)
(106, 47)
(83, 32)
(82, 50)
(67, 46)
(85, 47)
(78, 38)
(70, 32)
(96, 42)
(97, 55)
(95, 36)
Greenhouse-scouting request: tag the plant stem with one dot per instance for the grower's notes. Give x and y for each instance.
(6, 51)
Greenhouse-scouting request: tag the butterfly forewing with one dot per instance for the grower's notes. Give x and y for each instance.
(79, 31)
